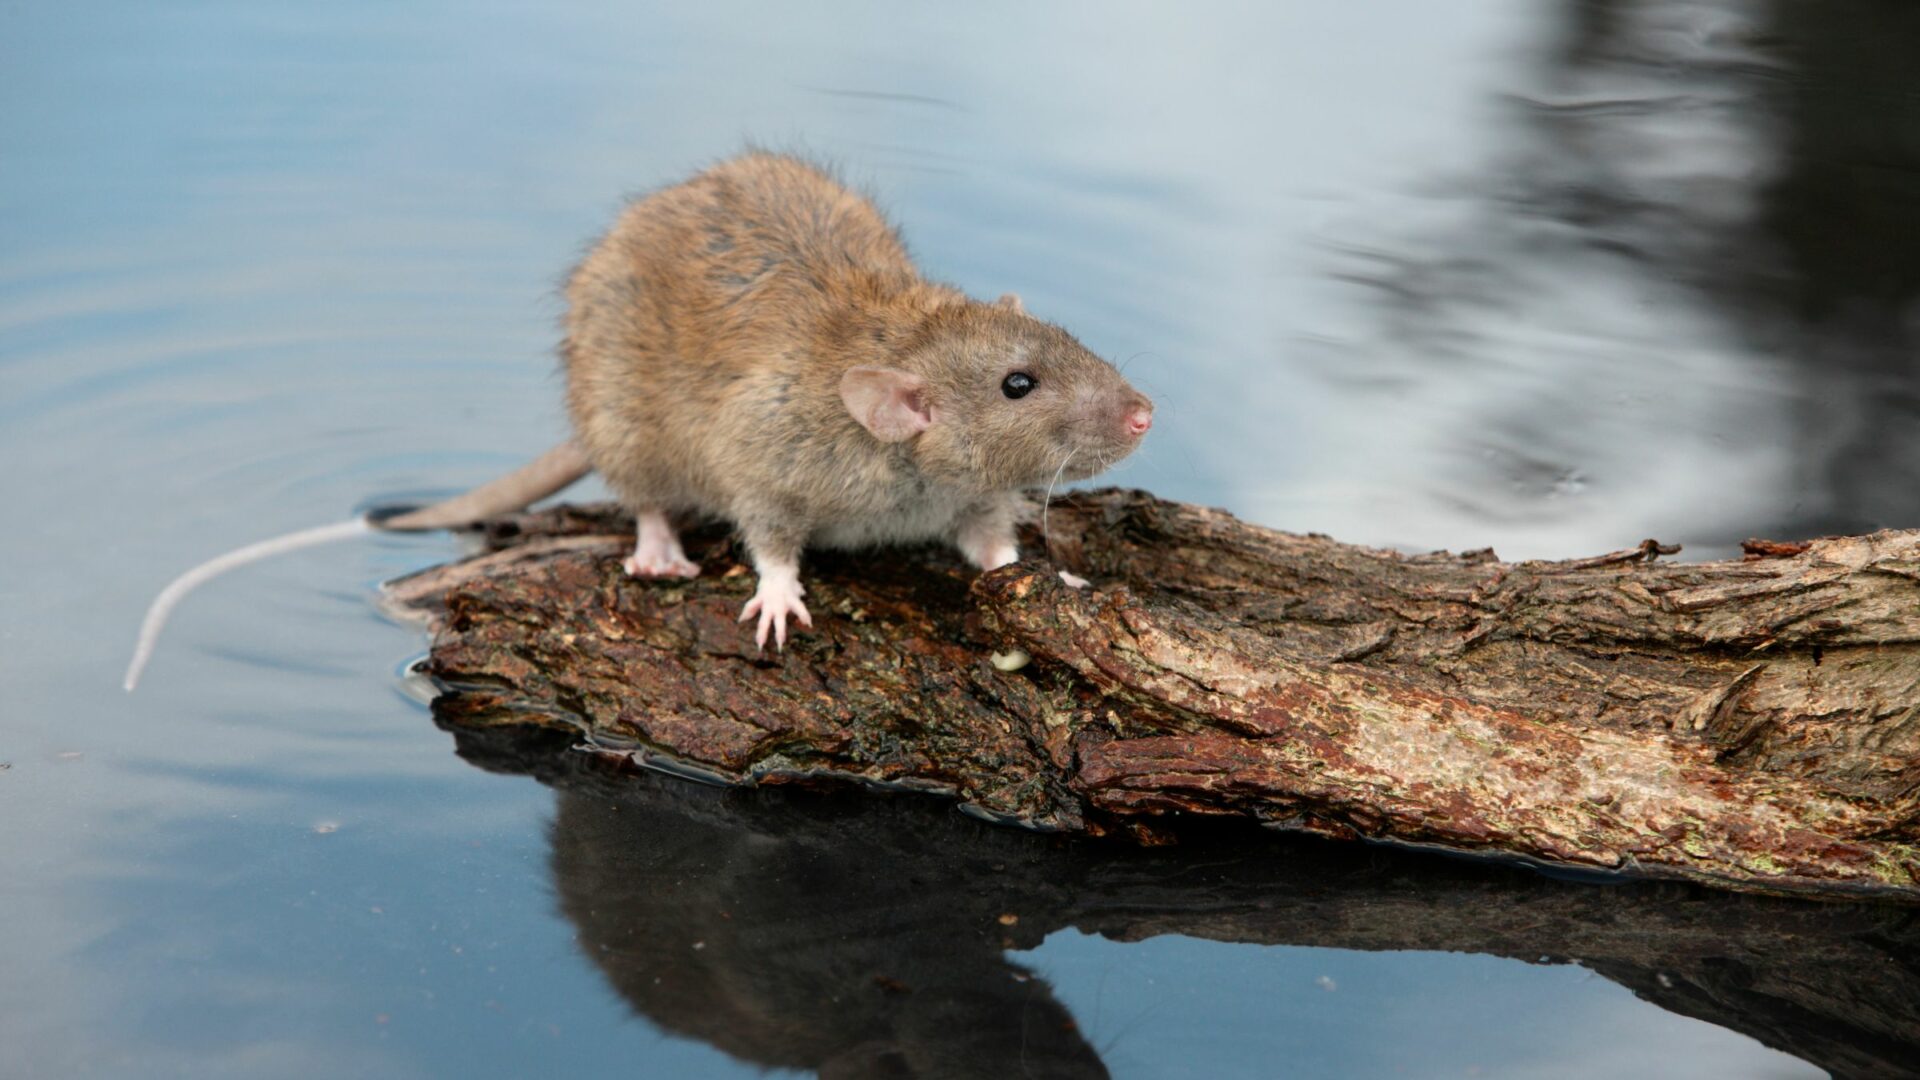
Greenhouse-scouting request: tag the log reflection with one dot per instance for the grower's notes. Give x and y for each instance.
(866, 937)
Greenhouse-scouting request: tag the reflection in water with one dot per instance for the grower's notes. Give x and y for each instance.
(1692, 279)
(866, 937)
(795, 940)
(1842, 218)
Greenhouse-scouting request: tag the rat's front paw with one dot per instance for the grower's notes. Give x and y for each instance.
(777, 598)
(1074, 581)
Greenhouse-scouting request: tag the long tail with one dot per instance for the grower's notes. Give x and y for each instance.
(179, 587)
(539, 478)
(524, 486)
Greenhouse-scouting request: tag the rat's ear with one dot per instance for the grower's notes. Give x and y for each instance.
(1010, 301)
(888, 402)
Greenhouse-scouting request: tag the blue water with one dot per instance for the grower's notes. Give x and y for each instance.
(263, 263)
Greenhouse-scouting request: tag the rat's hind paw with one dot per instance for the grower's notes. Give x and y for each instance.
(778, 598)
(656, 550)
(660, 566)
(1074, 581)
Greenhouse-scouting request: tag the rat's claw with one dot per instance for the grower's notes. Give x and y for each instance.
(777, 598)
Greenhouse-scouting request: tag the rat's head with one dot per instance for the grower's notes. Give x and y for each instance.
(995, 399)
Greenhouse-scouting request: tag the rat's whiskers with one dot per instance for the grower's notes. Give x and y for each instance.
(1046, 503)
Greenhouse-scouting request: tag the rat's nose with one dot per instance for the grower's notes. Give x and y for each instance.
(1138, 420)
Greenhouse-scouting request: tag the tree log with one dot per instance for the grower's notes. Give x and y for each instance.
(1749, 724)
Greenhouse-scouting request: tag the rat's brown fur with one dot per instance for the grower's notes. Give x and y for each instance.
(708, 335)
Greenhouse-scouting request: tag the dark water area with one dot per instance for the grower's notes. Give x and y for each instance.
(1545, 275)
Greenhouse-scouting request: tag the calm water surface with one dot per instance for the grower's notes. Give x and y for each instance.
(1550, 276)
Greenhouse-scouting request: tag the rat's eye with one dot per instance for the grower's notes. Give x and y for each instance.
(1018, 385)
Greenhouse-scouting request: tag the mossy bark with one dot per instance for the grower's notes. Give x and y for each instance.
(1752, 724)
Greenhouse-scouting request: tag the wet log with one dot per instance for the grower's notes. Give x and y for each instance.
(1751, 724)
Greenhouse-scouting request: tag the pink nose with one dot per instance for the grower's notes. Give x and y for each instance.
(1138, 421)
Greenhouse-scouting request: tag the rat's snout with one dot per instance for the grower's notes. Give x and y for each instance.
(1132, 413)
(1113, 422)
(1105, 425)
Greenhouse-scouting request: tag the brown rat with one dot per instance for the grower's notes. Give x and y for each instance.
(754, 345)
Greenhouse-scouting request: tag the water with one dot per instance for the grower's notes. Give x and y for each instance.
(1548, 276)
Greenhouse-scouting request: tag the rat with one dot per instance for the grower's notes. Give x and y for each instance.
(754, 345)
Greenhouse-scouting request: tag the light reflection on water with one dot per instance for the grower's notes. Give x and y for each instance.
(1551, 277)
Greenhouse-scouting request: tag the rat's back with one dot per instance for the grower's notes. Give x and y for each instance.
(771, 212)
(759, 246)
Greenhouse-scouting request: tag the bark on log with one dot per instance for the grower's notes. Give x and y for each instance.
(1751, 724)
